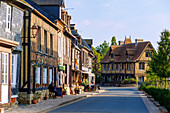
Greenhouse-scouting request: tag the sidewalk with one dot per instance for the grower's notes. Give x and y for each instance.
(50, 103)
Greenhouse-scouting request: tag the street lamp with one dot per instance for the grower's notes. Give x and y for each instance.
(34, 29)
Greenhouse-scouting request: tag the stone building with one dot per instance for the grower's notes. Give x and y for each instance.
(39, 65)
(127, 60)
(11, 21)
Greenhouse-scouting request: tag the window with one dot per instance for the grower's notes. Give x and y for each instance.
(13, 70)
(117, 66)
(142, 66)
(113, 67)
(108, 67)
(8, 18)
(112, 55)
(39, 39)
(148, 54)
(127, 55)
(45, 41)
(44, 75)
(51, 44)
(5, 66)
(123, 66)
(38, 71)
(68, 48)
(104, 67)
(128, 66)
(50, 75)
(65, 46)
(59, 46)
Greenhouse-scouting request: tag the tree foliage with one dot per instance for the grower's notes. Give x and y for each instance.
(159, 66)
(102, 49)
(113, 41)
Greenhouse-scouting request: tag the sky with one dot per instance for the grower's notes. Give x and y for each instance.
(102, 19)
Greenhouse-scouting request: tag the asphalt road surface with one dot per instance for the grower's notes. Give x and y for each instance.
(114, 100)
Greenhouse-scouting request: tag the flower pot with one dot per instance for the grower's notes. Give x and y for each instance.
(13, 100)
(34, 101)
(64, 93)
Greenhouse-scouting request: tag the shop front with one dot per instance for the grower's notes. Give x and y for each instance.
(6, 47)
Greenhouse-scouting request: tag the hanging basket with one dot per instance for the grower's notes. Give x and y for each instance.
(35, 64)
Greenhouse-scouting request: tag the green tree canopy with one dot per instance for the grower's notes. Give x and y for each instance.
(160, 62)
(113, 41)
(102, 49)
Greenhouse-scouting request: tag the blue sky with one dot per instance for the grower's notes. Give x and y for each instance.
(102, 19)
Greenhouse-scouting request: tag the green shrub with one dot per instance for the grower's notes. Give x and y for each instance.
(129, 81)
(160, 95)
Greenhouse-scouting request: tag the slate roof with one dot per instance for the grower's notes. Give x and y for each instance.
(121, 52)
(85, 44)
(41, 10)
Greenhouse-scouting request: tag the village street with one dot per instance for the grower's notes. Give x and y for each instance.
(114, 99)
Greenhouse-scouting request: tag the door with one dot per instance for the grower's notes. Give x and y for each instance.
(5, 74)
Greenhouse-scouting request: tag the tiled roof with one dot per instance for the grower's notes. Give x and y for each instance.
(120, 52)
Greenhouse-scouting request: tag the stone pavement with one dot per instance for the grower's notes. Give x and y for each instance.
(50, 103)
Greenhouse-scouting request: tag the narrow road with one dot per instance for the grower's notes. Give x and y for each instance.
(114, 100)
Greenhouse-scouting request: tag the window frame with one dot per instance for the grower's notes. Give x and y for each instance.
(8, 18)
(141, 66)
(128, 66)
(39, 39)
(104, 67)
(117, 67)
(45, 41)
(59, 46)
(51, 44)
(113, 67)
(13, 69)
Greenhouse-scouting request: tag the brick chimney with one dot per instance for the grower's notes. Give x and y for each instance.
(137, 41)
(121, 42)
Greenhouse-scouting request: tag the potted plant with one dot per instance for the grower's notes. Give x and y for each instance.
(34, 101)
(64, 91)
(38, 94)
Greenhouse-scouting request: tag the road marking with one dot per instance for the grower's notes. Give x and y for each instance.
(51, 109)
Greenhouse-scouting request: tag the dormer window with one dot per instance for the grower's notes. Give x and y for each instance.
(112, 56)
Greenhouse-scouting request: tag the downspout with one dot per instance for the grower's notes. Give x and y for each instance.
(29, 54)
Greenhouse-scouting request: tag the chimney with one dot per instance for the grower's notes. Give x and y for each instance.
(72, 26)
(121, 42)
(137, 41)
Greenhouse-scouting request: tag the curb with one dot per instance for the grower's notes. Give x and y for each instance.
(66, 102)
(69, 101)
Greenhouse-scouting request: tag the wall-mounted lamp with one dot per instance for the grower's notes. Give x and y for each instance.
(34, 29)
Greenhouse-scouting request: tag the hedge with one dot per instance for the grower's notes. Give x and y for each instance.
(160, 95)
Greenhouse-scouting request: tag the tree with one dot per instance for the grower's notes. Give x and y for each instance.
(102, 49)
(113, 41)
(160, 62)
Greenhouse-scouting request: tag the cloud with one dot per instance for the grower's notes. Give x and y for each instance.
(106, 5)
